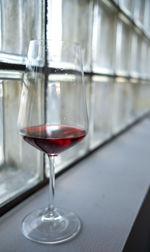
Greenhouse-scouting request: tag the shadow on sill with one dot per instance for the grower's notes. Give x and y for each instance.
(139, 237)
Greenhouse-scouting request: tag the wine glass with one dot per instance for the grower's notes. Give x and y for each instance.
(52, 118)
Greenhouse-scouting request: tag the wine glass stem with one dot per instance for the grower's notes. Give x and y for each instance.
(51, 183)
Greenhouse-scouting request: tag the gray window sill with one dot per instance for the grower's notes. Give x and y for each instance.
(106, 190)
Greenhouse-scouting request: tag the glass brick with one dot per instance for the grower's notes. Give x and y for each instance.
(123, 43)
(16, 174)
(148, 61)
(144, 67)
(104, 31)
(144, 97)
(127, 6)
(135, 83)
(136, 40)
(1, 123)
(116, 1)
(72, 21)
(122, 111)
(21, 21)
(133, 99)
(139, 7)
(147, 17)
(101, 110)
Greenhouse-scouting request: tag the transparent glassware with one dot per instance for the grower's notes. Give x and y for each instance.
(63, 124)
(81, 149)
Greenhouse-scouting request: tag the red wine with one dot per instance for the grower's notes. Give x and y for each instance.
(53, 139)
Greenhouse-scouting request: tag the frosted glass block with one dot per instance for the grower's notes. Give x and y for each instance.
(21, 167)
(76, 152)
(103, 43)
(139, 7)
(147, 17)
(122, 105)
(135, 84)
(148, 61)
(144, 67)
(144, 97)
(21, 21)
(72, 21)
(135, 58)
(123, 46)
(116, 1)
(1, 124)
(127, 6)
(101, 110)
(133, 99)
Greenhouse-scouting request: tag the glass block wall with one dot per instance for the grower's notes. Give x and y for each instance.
(115, 38)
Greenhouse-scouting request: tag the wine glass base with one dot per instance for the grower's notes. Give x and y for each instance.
(53, 227)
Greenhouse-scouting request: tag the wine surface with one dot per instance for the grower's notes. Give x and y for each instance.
(53, 139)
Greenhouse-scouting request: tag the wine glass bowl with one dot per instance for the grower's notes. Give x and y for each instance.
(52, 118)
